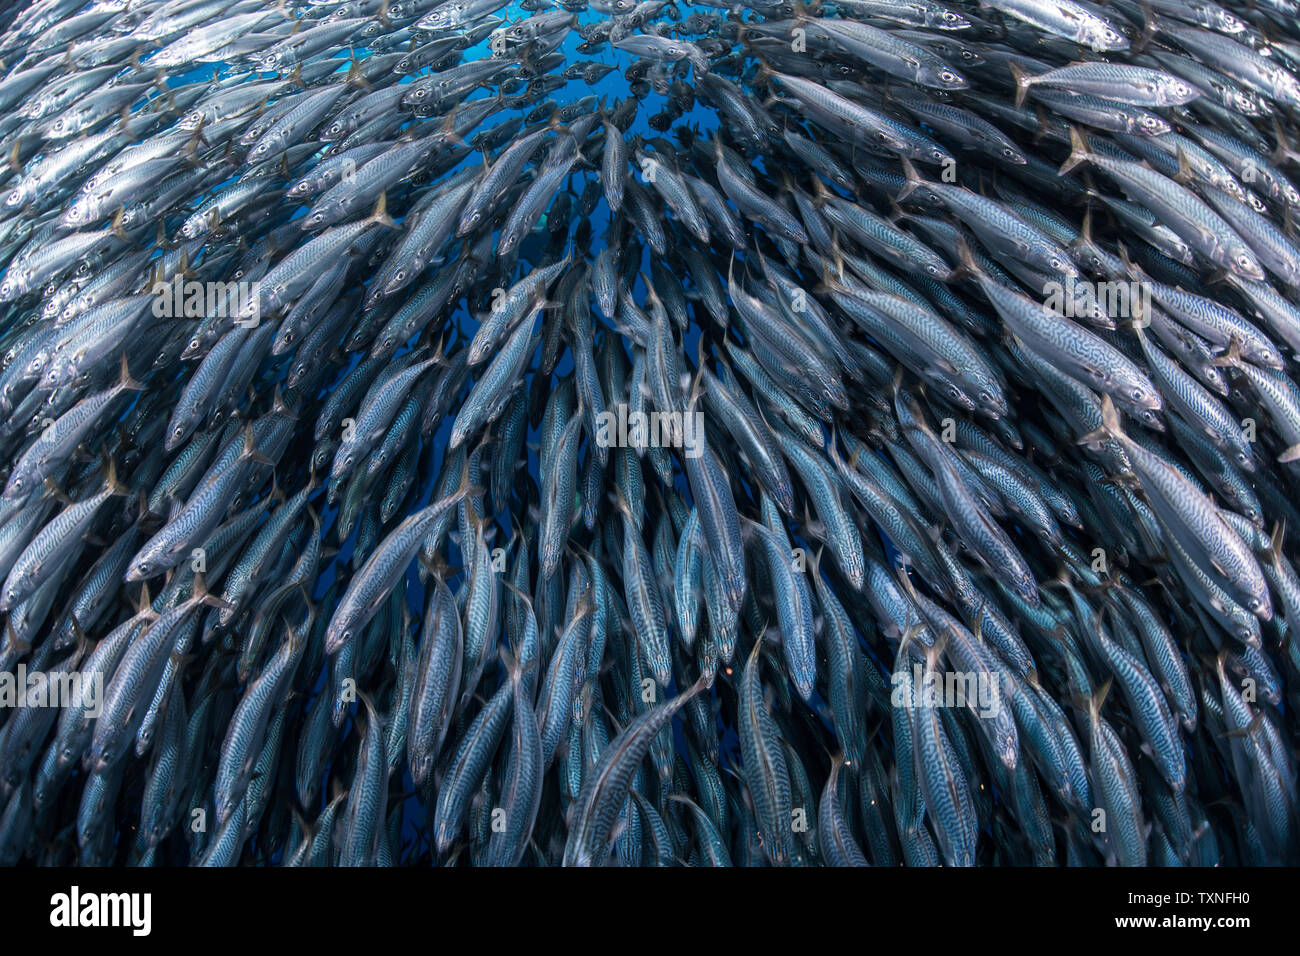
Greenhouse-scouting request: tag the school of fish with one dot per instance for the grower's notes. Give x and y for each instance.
(589, 432)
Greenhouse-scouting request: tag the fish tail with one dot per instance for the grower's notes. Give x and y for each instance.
(111, 484)
(1079, 152)
(199, 594)
(1110, 425)
(250, 448)
(1023, 81)
(1097, 699)
(913, 180)
(1231, 357)
(125, 382)
(380, 216)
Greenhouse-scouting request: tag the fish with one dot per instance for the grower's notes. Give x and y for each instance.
(599, 432)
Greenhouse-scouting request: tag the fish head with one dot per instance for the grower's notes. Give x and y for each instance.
(142, 569)
(1245, 264)
(18, 485)
(11, 594)
(11, 288)
(1243, 459)
(1151, 125)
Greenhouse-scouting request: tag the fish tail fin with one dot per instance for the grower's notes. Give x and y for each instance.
(52, 490)
(12, 640)
(448, 132)
(1131, 268)
(1079, 152)
(250, 448)
(820, 193)
(1275, 542)
(1231, 358)
(1097, 699)
(465, 489)
(280, 407)
(1184, 176)
(380, 216)
(913, 180)
(199, 594)
(1110, 425)
(355, 78)
(1023, 81)
(125, 382)
(111, 484)
(697, 386)
(1248, 731)
(967, 267)
(837, 256)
